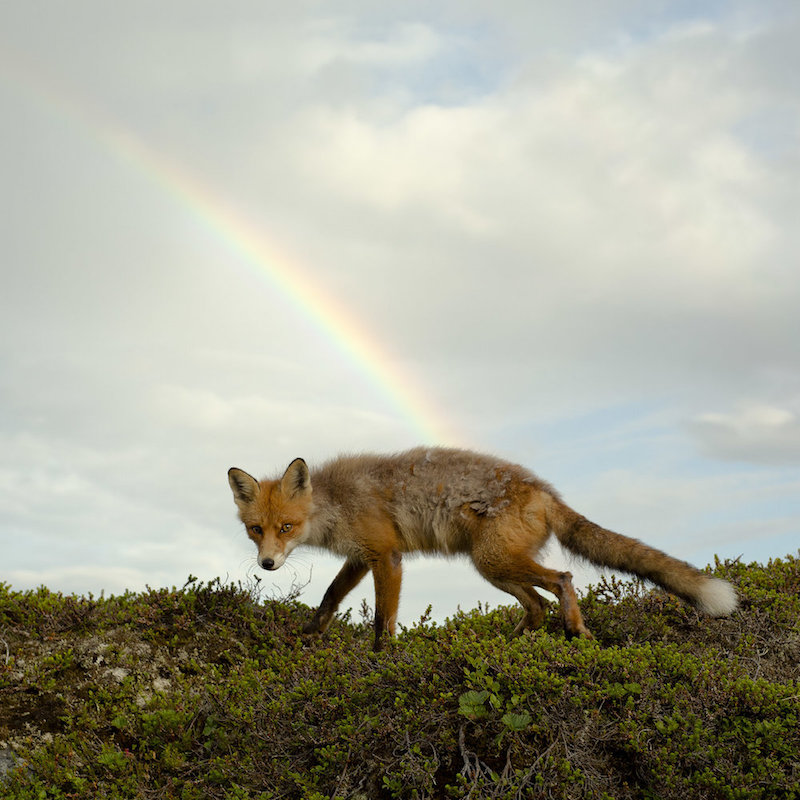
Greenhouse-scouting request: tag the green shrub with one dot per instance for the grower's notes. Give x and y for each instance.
(207, 692)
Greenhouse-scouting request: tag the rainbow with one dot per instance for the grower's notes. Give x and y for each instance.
(253, 250)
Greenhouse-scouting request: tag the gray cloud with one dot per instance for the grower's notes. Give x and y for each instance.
(757, 433)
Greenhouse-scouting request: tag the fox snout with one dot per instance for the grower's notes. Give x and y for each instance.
(271, 559)
(272, 553)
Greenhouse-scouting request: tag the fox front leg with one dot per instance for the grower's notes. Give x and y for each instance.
(388, 574)
(347, 578)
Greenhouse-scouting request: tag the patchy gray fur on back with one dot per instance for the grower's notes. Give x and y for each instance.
(429, 490)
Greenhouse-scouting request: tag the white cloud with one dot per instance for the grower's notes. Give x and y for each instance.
(635, 154)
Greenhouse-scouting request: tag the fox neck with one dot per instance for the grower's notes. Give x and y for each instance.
(321, 521)
(324, 517)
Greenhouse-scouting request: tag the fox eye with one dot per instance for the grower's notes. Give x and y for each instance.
(257, 530)
(286, 527)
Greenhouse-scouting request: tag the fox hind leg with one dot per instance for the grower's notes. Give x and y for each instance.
(534, 612)
(560, 584)
(515, 572)
(530, 600)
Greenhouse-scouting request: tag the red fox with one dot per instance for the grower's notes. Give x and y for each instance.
(373, 508)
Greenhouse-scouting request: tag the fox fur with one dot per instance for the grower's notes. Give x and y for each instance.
(371, 509)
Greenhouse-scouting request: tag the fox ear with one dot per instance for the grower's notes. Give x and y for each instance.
(296, 480)
(244, 486)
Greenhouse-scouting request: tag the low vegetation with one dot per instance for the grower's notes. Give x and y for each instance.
(209, 692)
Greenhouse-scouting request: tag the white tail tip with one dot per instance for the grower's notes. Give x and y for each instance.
(717, 598)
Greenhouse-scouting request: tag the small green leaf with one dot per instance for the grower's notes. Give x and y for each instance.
(471, 704)
(516, 722)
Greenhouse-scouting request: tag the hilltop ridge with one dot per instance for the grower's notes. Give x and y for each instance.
(209, 692)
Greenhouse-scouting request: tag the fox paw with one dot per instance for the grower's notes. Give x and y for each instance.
(581, 632)
(311, 628)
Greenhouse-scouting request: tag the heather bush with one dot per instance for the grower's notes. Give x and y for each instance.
(209, 692)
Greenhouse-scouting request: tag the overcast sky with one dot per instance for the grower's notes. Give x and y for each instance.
(236, 233)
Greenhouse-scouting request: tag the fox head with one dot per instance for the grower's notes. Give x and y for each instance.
(275, 513)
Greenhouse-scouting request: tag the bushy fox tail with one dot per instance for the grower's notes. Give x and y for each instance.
(608, 549)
